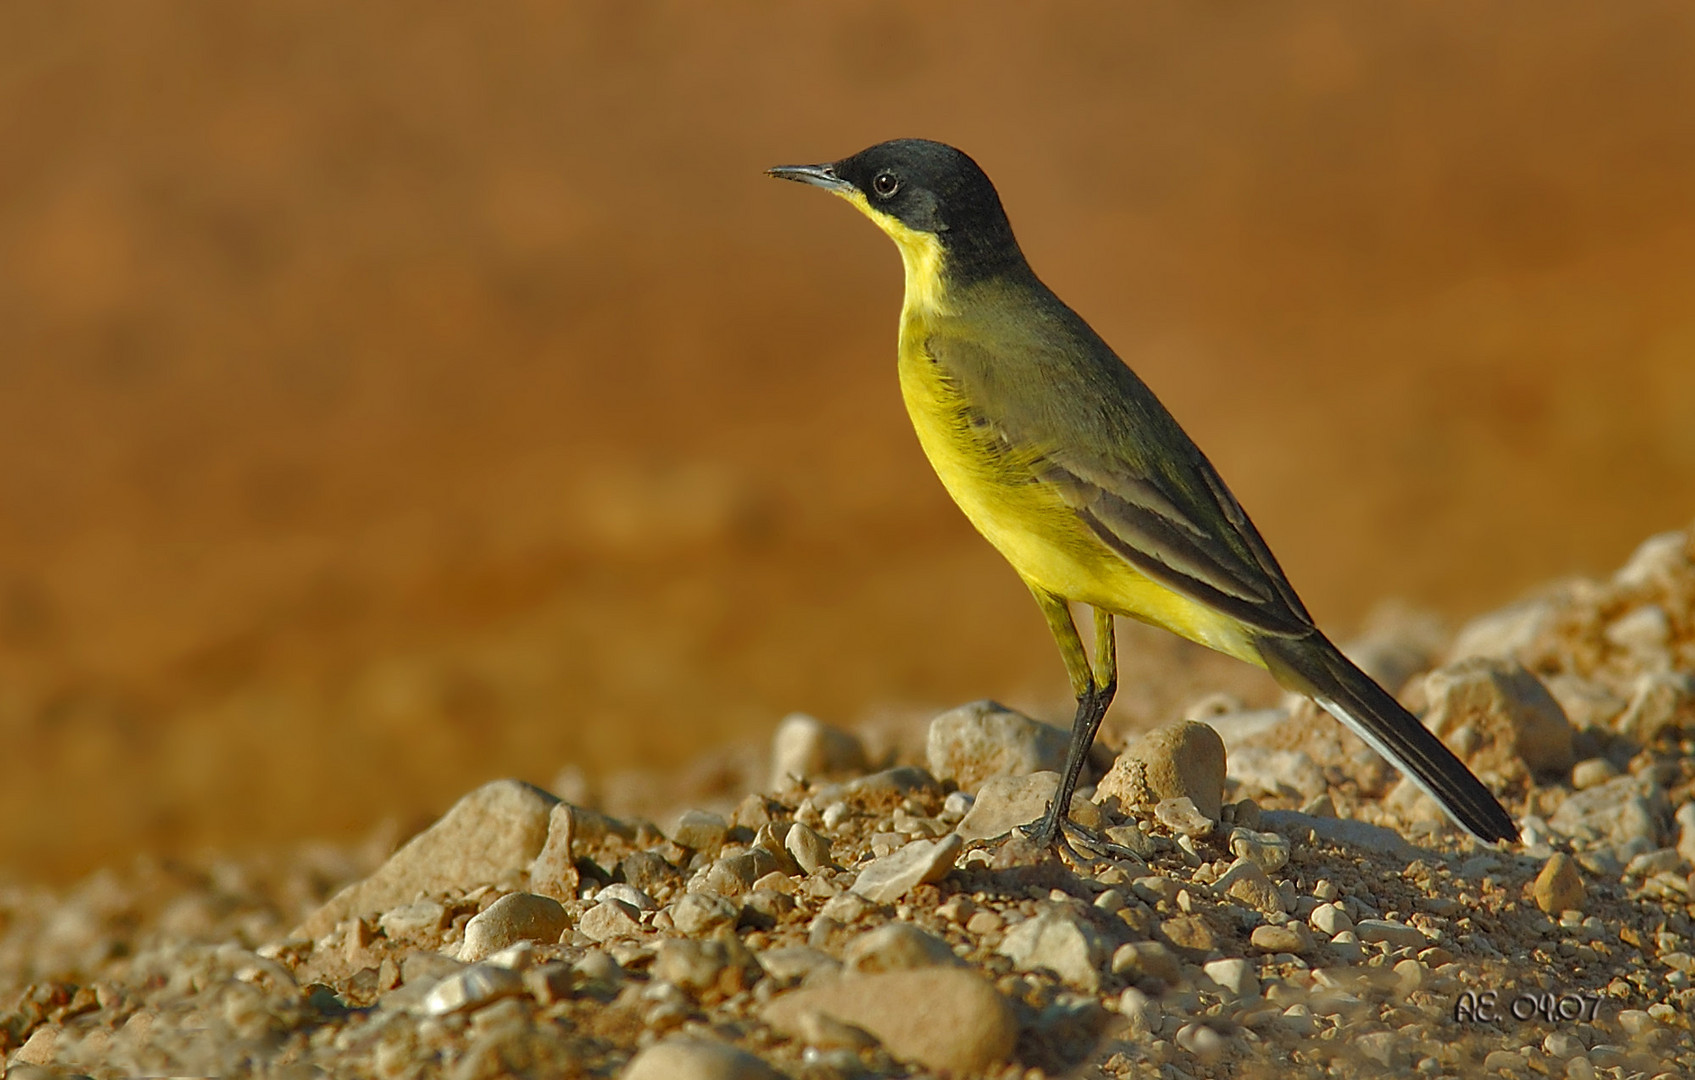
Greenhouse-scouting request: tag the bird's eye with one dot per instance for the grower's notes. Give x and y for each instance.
(885, 184)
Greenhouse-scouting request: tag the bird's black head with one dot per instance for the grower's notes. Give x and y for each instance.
(916, 189)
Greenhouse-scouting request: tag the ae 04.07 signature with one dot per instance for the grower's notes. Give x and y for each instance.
(1488, 1006)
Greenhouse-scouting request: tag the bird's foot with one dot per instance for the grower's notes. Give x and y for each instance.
(1099, 847)
(1057, 833)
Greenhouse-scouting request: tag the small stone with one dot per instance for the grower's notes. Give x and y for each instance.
(1561, 1045)
(1190, 935)
(691, 964)
(887, 786)
(610, 920)
(1649, 863)
(1559, 887)
(698, 913)
(471, 988)
(1587, 703)
(1142, 1012)
(553, 872)
(956, 806)
(820, 1031)
(1183, 817)
(496, 830)
(1686, 832)
(597, 966)
(1276, 772)
(1395, 935)
(1659, 561)
(1235, 975)
(513, 918)
(1288, 938)
(1636, 1022)
(970, 744)
(769, 839)
(1503, 634)
(1382, 1048)
(1269, 850)
(1661, 700)
(1181, 760)
(700, 830)
(846, 908)
(1139, 960)
(1624, 814)
(1644, 630)
(806, 749)
(984, 922)
(688, 1058)
(897, 946)
(1345, 947)
(1298, 1020)
(810, 850)
(793, 963)
(1060, 942)
(1509, 714)
(1245, 881)
(754, 811)
(649, 872)
(1592, 773)
(1199, 1040)
(946, 1019)
(1155, 889)
(734, 874)
(420, 922)
(1410, 975)
(1330, 919)
(885, 880)
(628, 894)
(1004, 803)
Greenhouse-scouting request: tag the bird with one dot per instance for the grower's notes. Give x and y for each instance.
(1066, 462)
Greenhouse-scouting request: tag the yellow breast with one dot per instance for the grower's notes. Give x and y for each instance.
(1026, 519)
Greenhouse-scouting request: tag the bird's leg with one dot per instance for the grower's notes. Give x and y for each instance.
(1094, 687)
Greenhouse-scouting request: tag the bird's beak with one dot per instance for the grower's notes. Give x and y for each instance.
(823, 176)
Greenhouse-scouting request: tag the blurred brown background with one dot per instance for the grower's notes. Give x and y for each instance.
(394, 396)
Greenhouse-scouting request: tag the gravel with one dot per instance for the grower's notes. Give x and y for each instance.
(841, 926)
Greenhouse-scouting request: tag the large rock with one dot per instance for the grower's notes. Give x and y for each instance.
(1185, 759)
(496, 830)
(970, 744)
(1493, 712)
(946, 1019)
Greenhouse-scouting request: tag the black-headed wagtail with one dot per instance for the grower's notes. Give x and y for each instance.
(1075, 472)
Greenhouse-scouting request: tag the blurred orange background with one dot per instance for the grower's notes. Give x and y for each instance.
(397, 395)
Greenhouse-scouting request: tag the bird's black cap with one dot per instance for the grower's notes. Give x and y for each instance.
(929, 187)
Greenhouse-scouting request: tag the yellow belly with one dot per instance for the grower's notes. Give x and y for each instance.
(1030, 524)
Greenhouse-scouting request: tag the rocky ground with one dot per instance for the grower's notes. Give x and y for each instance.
(1264, 899)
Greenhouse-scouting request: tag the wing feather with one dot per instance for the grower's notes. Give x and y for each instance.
(1134, 477)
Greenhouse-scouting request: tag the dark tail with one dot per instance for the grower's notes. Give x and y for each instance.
(1312, 666)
